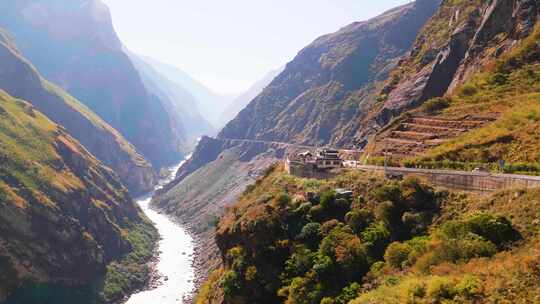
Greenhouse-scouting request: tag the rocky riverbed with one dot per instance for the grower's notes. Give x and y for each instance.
(174, 279)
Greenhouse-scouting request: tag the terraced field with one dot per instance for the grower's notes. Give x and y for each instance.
(413, 135)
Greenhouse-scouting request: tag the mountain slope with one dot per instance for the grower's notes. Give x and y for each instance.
(292, 240)
(209, 103)
(329, 84)
(65, 218)
(458, 41)
(322, 76)
(20, 79)
(485, 65)
(181, 103)
(74, 45)
(240, 102)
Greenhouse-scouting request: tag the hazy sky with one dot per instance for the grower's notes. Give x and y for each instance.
(229, 44)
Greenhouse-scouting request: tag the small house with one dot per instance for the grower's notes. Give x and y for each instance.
(328, 159)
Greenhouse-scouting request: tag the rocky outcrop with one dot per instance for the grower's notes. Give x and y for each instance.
(20, 79)
(63, 216)
(74, 45)
(469, 34)
(329, 86)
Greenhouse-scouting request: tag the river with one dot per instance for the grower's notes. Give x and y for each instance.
(176, 253)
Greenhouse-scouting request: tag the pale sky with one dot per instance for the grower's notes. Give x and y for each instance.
(229, 44)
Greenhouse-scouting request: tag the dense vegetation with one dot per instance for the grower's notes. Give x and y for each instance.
(291, 240)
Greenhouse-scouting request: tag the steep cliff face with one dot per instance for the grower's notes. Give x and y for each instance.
(458, 41)
(20, 79)
(64, 216)
(482, 57)
(75, 46)
(323, 91)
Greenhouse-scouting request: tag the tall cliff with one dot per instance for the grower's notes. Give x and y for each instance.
(328, 86)
(457, 42)
(74, 45)
(64, 217)
(19, 78)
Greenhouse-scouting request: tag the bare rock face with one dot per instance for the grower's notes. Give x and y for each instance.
(21, 79)
(473, 32)
(328, 86)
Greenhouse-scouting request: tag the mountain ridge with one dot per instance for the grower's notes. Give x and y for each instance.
(86, 58)
(21, 79)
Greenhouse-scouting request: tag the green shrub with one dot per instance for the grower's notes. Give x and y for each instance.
(300, 262)
(376, 237)
(327, 300)
(303, 291)
(303, 209)
(348, 294)
(323, 266)
(498, 230)
(397, 254)
(283, 200)
(316, 213)
(468, 90)
(230, 283)
(387, 212)
(358, 220)
(436, 105)
(327, 199)
(391, 192)
(311, 234)
(468, 288)
(499, 79)
(440, 289)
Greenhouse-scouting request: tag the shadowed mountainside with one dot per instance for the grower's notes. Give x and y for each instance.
(180, 102)
(20, 79)
(74, 45)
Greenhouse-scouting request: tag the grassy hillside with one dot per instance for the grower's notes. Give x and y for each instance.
(291, 240)
(65, 219)
(508, 89)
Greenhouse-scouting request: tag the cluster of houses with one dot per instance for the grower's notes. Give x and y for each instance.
(313, 164)
(323, 159)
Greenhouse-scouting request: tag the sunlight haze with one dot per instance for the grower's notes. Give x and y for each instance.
(228, 45)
